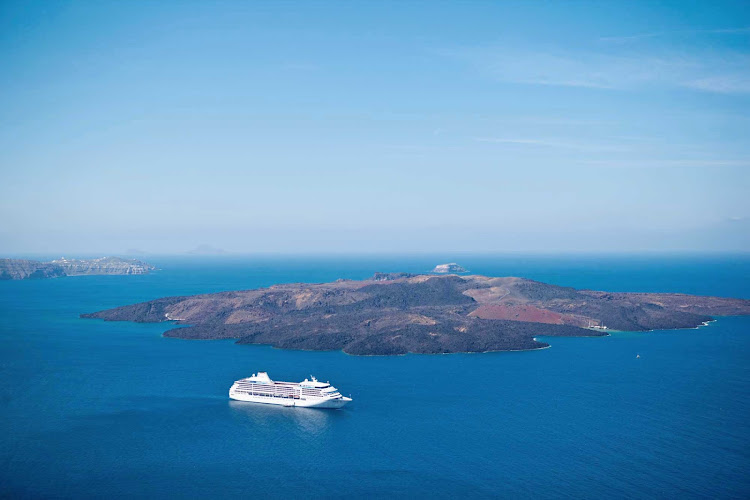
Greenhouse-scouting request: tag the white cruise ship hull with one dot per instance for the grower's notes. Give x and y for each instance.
(303, 403)
(308, 394)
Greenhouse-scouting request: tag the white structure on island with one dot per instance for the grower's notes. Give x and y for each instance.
(308, 393)
(597, 327)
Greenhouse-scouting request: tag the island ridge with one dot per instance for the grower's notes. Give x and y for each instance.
(19, 269)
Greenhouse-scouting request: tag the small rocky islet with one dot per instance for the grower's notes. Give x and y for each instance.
(398, 313)
(449, 268)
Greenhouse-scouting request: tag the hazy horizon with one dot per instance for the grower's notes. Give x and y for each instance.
(330, 128)
(441, 257)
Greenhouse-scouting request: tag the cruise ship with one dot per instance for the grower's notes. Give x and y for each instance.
(309, 393)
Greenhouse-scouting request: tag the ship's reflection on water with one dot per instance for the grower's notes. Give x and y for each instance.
(307, 420)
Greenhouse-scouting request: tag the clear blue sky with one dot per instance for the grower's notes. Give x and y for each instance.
(374, 127)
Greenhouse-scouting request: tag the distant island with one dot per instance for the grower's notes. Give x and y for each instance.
(20, 269)
(448, 268)
(400, 313)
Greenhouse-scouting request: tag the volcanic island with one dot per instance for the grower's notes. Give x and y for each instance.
(399, 313)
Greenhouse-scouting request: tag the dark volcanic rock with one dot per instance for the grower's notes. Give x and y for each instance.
(144, 312)
(390, 276)
(433, 292)
(419, 314)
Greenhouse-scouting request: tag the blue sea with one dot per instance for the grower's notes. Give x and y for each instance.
(90, 409)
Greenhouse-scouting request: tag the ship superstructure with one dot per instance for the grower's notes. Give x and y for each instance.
(259, 388)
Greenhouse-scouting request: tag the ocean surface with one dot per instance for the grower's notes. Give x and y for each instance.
(90, 409)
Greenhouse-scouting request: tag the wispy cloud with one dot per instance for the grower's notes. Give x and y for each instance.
(498, 140)
(553, 143)
(658, 34)
(300, 66)
(668, 163)
(725, 72)
(725, 84)
(554, 120)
